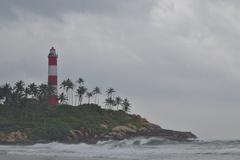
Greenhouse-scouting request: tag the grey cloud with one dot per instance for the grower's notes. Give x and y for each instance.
(56, 8)
(166, 54)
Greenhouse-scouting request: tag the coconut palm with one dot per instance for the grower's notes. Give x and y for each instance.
(4, 92)
(96, 91)
(109, 102)
(126, 105)
(33, 89)
(27, 92)
(69, 88)
(110, 92)
(118, 101)
(63, 85)
(80, 92)
(19, 90)
(19, 86)
(1, 95)
(7, 93)
(80, 81)
(43, 93)
(89, 95)
(62, 97)
(50, 90)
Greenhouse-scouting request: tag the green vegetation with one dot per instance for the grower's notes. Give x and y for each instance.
(25, 108)
(54, 123)
(81, 91)
(20, 94)
(26, 117)
(72, 94)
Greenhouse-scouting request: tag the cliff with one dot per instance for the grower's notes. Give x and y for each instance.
(69, 124)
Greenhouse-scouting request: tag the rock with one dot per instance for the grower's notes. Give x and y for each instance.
(118, 135)
(135, 126)
(73, 135)
(121, 132)
(2, 136)
(142, 129)
(79, 133)
(87, 135)
(105, 126)
(132, 126)
(69, 139)
(13, 137)
(151, 126)
(125, 129)
(139, 118)
(106, 136)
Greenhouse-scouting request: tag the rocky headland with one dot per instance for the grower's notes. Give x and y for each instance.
(88, 124)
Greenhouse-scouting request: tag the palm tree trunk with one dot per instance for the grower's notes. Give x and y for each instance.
(67, 97)
(72, 97)
(75, 101)
(80, 100)
(96, 99)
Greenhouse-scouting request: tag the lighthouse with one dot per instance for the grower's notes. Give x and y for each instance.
(52, 76)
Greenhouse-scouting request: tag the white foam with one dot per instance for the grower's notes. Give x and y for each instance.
(137, 148)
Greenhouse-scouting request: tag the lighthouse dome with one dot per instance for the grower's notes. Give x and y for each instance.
(52, 52)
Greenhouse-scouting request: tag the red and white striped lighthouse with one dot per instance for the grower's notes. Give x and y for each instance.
(52, 76)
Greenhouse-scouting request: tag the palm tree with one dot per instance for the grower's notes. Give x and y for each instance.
(69, 88)
(89, 95)
(80, 92)
(109, 102)
(118, 101)
(19, 90)
(27, 92)
(19, 86)
(62, 97)
(95, 92)
(33, 89)
(63, 85)
(126, 105)
(80, 81)
(7, 92)
(43, 93)
(110, 92)
(1, 95)
(50, 90)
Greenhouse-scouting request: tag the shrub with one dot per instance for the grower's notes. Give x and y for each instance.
(52, 130)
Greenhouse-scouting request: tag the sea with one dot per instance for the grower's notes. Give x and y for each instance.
(131, 149)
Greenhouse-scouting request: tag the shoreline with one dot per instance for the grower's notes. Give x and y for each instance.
(30, 143)
(176, 136)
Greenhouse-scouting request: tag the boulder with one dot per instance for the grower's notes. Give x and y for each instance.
(124, 129)
(105, 126)
(13, 137)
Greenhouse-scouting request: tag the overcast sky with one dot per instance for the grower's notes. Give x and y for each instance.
(177, 61)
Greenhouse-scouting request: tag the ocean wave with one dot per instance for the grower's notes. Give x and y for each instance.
(153, 141)
(127, 149)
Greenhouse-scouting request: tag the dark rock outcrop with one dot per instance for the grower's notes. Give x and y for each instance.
(135, 126)
(13, 137)
(140, 127)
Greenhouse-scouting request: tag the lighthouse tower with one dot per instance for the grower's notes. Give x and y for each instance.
(52, 76)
